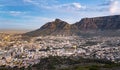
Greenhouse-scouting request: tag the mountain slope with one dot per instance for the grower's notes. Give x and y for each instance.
(52, 28)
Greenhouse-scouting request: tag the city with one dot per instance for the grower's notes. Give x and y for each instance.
(14, 51)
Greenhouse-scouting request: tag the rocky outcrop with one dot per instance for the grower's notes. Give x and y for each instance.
(107, 22)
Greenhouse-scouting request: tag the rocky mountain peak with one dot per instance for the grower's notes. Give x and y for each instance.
(58, 20)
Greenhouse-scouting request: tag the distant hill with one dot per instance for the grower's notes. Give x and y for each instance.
(59, 27)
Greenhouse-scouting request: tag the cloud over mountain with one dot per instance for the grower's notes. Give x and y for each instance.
(115, 7)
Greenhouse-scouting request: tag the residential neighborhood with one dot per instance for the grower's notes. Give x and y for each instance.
(15, 51)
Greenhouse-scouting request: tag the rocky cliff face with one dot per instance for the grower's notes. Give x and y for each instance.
(107, 22)
(59, 27)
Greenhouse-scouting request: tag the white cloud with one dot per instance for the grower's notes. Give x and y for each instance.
(115, 7)
(13, 13)
(40, 3)
(73, 6)
(27, 0)
(77, 5)
(66, 7)
(16, 13)
(32, 2)
(55, 6)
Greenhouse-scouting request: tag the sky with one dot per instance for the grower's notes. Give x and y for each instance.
(32, 14)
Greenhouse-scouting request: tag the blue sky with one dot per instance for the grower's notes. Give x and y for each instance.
(32, 14)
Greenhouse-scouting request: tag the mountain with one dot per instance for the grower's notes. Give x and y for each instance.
(104, 23)
(59, 27)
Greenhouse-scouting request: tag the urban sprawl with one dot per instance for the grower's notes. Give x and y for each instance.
(16, 50)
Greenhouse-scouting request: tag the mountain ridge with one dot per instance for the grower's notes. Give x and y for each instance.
(59, 27)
